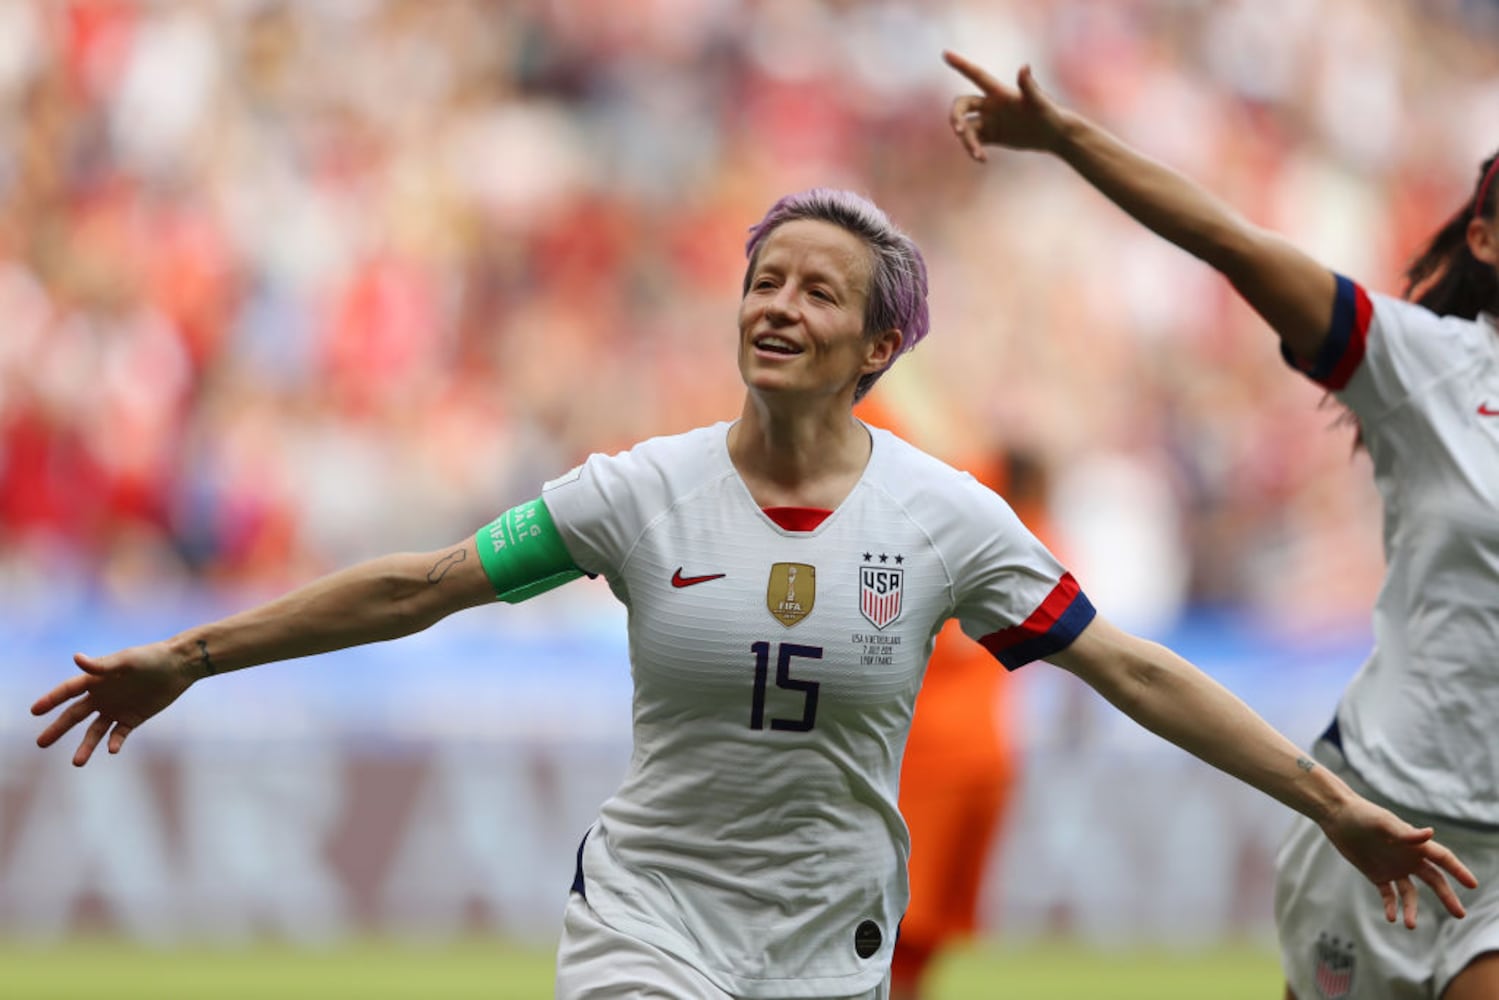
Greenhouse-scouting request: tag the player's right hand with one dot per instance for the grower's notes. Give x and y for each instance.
(1020, 117)
(125, 689)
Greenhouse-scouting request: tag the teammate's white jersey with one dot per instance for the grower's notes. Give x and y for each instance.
(756, 834)
(1420, 721)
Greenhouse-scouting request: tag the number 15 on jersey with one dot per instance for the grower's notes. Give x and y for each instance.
(785, 652)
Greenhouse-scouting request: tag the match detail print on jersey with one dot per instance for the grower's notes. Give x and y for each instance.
(791, 592)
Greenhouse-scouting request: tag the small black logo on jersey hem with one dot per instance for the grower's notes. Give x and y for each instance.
(867, 938)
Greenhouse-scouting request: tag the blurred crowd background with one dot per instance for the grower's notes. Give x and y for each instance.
(285, 285)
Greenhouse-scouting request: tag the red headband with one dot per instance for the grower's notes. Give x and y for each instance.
(1483, 189)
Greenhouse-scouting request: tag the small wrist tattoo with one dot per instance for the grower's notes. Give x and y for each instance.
(1305, 763)
(440, 568)
(205, 659)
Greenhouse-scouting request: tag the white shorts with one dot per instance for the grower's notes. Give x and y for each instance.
(597, 962)
(1334, 940)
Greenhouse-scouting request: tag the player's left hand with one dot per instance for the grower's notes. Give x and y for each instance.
(1391, 853)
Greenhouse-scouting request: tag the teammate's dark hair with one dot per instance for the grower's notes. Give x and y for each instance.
(1445, 277)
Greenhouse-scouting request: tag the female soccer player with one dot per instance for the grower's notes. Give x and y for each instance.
(785, 574)
(1415, 729)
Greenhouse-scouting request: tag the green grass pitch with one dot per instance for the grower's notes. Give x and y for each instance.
(497, 971)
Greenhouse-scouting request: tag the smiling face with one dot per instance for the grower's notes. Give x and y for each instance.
(801, 322)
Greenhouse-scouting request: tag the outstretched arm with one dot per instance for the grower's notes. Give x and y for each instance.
(1172, 698)
(1290, 290)
(381, 599)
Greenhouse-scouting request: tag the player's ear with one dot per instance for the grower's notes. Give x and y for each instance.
(881, 350)
(1482, 241)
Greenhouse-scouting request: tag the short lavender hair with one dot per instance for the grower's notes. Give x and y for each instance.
(897, 293)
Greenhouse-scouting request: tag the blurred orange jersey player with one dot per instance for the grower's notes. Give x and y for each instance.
(955, 785)
(960, 764)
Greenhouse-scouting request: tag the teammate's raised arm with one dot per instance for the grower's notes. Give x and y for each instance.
(1294, 293)
(1414, 375)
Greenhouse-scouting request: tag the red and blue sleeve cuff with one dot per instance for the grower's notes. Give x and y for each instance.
(1343, 350)
(1050, 629)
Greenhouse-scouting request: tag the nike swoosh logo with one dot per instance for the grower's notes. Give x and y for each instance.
(678, 580)
(1484, 411)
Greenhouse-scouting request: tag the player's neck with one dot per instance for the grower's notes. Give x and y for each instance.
(798, 459)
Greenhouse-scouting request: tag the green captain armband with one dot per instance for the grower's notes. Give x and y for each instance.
(522, 553)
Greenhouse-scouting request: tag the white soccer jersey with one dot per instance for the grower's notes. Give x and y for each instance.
(756, 834)
(1420, 721)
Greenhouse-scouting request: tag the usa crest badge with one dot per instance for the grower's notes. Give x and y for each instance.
(880, 589)
(1333, 972)
(791, 592)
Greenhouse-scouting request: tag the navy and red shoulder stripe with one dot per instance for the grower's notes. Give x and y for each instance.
(1061, 618)
(1343, 350)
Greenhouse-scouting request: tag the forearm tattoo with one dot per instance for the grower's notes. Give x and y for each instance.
(440, 568)
(204, 659)
(1305, 763)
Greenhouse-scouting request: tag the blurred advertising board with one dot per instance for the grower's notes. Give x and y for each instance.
(440, 784)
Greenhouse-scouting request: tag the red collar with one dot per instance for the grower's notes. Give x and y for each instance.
(797, 518)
